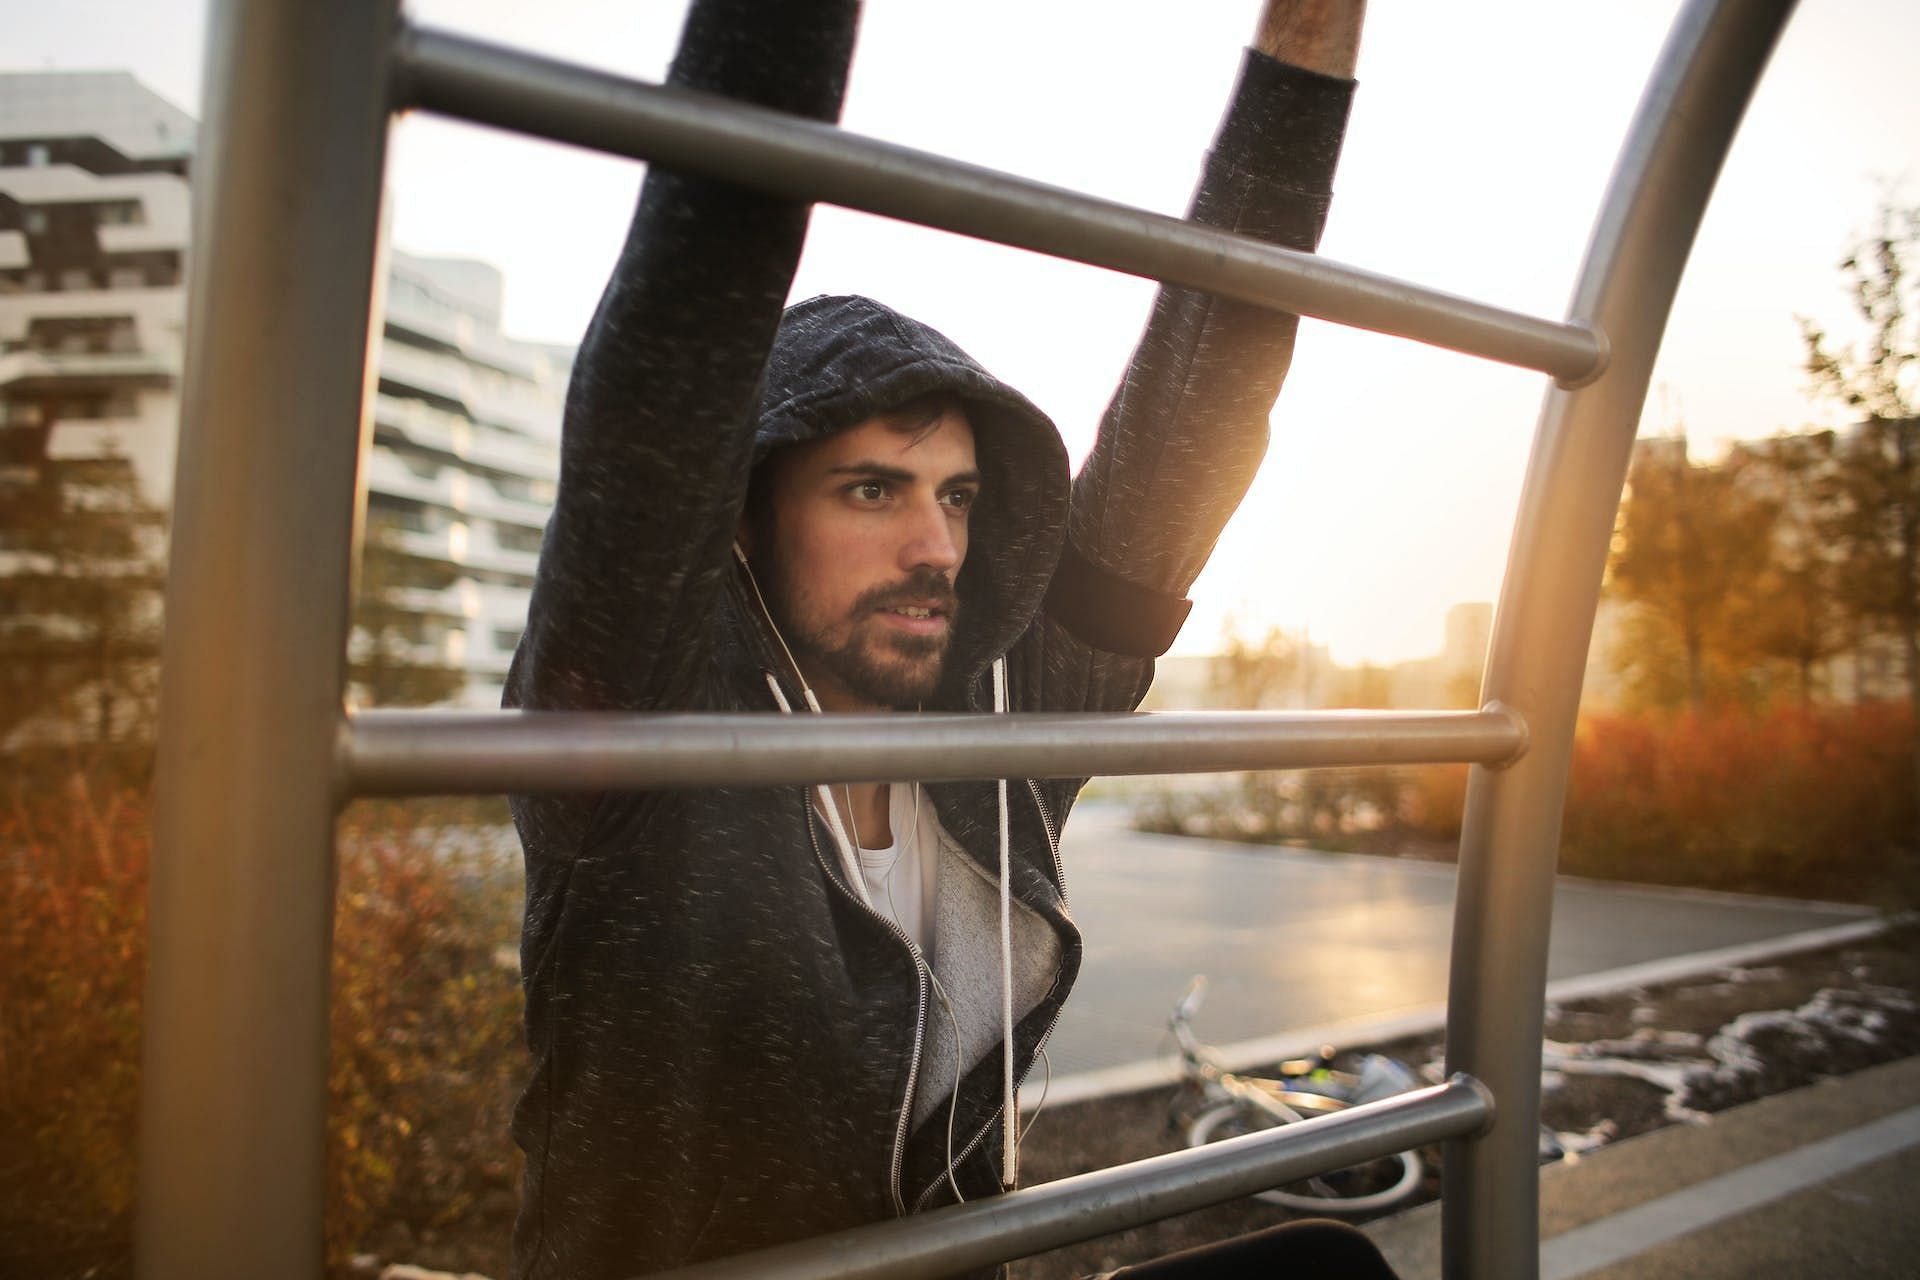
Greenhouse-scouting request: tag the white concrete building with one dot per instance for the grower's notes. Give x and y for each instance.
(93, 236)
(94, 229)
(465, 457)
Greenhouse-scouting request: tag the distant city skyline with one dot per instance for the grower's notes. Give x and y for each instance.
(1481, 142)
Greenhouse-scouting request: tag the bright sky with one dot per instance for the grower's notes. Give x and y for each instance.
(1481, 141)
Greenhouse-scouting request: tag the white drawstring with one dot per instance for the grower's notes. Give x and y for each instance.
(849, 860)
(1010, 1130)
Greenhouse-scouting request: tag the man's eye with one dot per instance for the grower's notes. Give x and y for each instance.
(869, 491)
(961, 499)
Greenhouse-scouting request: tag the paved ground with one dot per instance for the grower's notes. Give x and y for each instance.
(1804, 1185)
(1293, 939)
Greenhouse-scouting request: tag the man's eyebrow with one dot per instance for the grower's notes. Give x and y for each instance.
(898, 475)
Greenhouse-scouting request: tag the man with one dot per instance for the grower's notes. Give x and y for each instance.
(758, 1014)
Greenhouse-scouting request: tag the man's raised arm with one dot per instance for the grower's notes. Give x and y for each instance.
(1187, 428)
(659, 415)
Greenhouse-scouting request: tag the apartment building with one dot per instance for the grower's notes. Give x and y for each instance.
(94, 230)
(465, 457)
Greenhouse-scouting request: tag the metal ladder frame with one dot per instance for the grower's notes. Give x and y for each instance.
(256, 754)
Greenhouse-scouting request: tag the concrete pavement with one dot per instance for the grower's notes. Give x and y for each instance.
(1294, 939)
(1819, 1182)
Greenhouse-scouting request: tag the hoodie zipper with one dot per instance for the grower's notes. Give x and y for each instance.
(919, 1021)
(1053, 839)
(921, 974)
(973, 1144)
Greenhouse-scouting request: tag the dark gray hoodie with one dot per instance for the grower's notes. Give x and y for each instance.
(729, 1049)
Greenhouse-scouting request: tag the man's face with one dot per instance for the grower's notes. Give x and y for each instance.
(858, 555)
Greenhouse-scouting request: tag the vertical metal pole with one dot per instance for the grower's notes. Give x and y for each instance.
(285, 237)
(1511, 833)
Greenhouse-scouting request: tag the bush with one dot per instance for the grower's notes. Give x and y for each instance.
(427, 1056)
(1797, 800)
(73, 882)
(425, 1060)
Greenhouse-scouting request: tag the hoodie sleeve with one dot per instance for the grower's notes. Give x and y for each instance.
(659, 415)
(1186, 430)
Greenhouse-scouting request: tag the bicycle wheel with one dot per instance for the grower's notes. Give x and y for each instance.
(1362, 1188)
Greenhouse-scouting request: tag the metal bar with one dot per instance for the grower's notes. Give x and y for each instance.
(1667, 167)
(429, 752)
(1021, 1223)
(287, 191)
(511, 89)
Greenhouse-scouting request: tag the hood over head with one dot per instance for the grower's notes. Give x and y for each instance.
(837, 361)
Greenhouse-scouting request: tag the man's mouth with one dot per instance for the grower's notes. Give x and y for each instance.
(916, 619)
(922, 608)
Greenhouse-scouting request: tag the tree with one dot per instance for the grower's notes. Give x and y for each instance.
(1691, 550)
(1798, 618)
(1879, 460)
(1251, 673)
(395, 655)
(80, 594)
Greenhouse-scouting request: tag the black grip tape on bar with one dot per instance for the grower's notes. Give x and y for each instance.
(1108, 612)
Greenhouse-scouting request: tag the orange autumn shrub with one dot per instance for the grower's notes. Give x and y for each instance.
(1804, 801)
(73, 877)
(427, 1055)
(425, 1024)
(1809, 801)
(1433, 799)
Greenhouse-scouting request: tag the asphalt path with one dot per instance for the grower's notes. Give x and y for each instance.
(1294, 938)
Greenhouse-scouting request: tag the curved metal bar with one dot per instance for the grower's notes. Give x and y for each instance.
(286, 205)
(1022, 1223)
(510, 89)
(442, 752)
(1672, 155)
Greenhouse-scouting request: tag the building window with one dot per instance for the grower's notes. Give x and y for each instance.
(79, 335)
(37, 154)
(513, 538)
(408, 517)
(35, 221)
(122, 213)
(81, 408)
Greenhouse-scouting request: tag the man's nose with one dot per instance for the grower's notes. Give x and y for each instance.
(937, 541)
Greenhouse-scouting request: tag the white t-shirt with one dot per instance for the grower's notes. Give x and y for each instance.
(901, 878)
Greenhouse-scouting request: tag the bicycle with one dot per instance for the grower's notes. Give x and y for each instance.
(1232, 1104)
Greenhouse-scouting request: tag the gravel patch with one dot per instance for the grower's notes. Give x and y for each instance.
(1614, 1066)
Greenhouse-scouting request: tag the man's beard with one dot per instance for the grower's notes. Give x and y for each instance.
(872, 661)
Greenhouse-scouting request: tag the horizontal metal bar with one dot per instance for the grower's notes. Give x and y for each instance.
(1022, 1223)
(512, 89)
(479, 752)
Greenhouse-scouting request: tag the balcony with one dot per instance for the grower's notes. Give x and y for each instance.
(484, 500)
(437, 544)
(525, 455)
(424, 425)
(68, 370)
(387, 474)
(441, 377)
